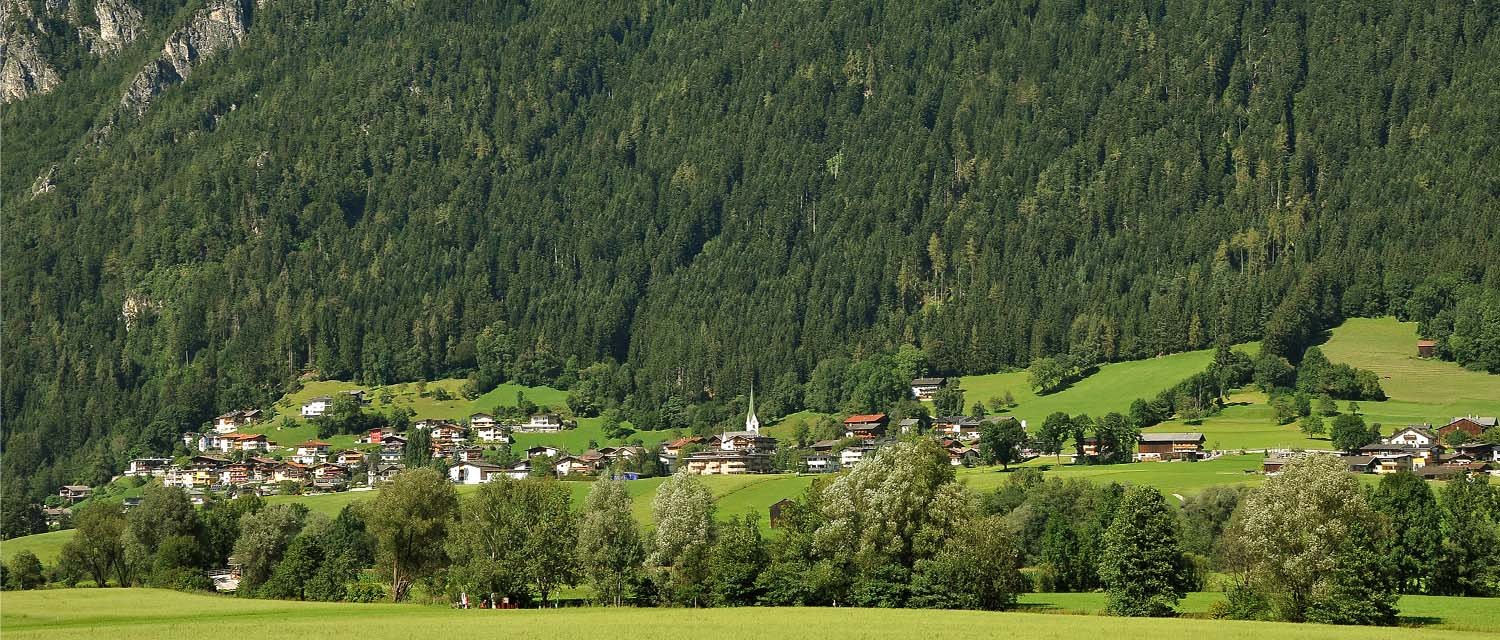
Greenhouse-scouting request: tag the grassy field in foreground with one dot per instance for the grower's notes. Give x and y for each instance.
(1431, 612)
(140, 613)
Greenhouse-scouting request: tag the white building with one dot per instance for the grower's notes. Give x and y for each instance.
(317, 407)
(542, 423)
(474, 472)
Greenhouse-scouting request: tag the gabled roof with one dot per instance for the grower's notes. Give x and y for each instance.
(480, 464)
(865, 418)
(1483, 421)
(928, 382)
(1189, 436)
(1424, 430)
(312, 444)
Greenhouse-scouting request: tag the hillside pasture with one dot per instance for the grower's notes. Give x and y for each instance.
(1112, 388)
(126, 614)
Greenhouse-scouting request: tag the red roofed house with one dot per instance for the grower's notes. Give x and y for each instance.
(867, 426)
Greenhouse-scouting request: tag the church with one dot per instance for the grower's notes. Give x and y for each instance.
(736, 452)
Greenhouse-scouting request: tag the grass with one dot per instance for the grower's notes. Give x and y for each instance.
(1421, 390)
(1182, 478)
(124, 614)
(1429, 612)
(1112, 388)
(46, 546)
(1247, 423)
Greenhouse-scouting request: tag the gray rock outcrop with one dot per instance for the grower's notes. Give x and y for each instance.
(218, 27)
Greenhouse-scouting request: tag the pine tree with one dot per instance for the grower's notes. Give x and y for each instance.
(1142, 564)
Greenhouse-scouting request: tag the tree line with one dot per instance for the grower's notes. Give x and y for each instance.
(1310, 544)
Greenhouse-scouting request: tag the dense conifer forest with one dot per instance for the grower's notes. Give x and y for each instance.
(721, 193)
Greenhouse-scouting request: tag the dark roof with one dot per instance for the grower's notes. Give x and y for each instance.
(928, 382)
(1357, 461)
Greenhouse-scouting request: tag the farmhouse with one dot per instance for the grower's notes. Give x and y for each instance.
(474, 472)
(1450, 470)
(1472, 425)
(317, 407)
(865, 426)
(349, 457)
(925, 388)
(909, 425)
(1393, 463)
(959, 456)
(542, 423)
(289, 471)
(1170, 446)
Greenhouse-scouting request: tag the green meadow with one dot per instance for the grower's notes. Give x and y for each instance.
(1429, 612)
(127, 614)
(1112, 388)
(1420, 390)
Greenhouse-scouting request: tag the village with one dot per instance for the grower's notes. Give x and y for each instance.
(477, 449)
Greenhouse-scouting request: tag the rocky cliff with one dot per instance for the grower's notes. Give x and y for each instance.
(218, 27)
(26, 33)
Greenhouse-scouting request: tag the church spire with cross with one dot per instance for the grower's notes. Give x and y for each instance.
(752, 423)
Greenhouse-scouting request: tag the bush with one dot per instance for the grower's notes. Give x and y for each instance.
(365, 591)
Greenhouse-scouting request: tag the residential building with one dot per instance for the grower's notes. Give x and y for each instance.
(542, 423)
(569, 465)
(481, 421)
(475, 472)
(865, 426)
(1359, 464)
(909, 425)
(1170, 446)
(289, 471)
(317, 407)
(329, 475)
(926, 388)
(1478, 452)
(492, 433)
(1420, 435)
(542, 450)
(964, 428)
(469, 454)
(519, 471)
(311, 452)
(1393, 463)
(1418, 455)
(675, 447)
(382, 472)
(854, 455)
(349, 457)
(820, 464)
(1472, 425)
(74, 492)
(143, 467)
(232, 421)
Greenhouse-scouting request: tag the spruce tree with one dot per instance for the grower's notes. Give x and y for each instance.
(1142, 566)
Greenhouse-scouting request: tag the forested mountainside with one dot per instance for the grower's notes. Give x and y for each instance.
(720, 192)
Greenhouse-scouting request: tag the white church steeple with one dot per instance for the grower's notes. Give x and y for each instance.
(752, 423)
